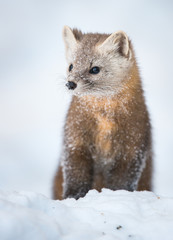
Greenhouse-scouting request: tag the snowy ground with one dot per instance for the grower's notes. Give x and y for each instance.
(108, 215)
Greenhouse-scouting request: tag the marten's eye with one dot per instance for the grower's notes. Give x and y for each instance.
(94, 70)
(70, 67)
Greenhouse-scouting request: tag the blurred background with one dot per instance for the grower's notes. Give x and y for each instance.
(33, 100)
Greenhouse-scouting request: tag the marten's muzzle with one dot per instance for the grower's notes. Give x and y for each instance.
(71, 85)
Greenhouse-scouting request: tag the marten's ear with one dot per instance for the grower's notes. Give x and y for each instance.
(69, 40)
(118, 42)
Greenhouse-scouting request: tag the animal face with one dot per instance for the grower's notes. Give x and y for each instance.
(98, 64)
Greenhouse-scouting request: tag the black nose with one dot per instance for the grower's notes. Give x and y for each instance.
(71, 85)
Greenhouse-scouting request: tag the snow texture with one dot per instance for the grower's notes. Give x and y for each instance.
(107, 215)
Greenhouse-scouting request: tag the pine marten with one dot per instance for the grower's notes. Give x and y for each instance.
(107, 133)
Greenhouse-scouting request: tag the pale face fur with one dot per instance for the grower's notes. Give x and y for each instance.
(113, 55)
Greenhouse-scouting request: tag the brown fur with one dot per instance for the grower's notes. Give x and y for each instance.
(107, 139)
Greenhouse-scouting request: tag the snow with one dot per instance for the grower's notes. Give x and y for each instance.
(107, 215)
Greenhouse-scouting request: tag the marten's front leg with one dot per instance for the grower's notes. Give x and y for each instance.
(125, 175)
(78, 173)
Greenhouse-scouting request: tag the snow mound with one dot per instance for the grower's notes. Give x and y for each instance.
(108, 215)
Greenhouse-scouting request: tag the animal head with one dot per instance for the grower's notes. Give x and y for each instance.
(98, 64)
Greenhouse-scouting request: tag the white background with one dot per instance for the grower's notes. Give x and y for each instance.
(33, 101)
